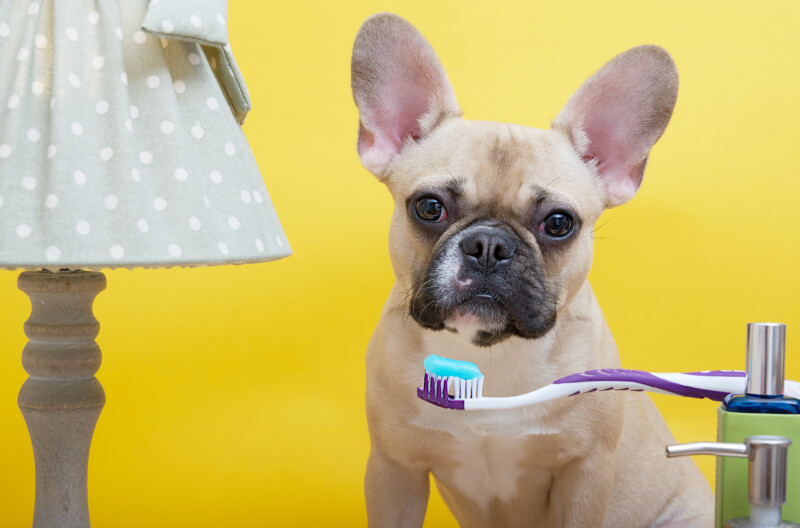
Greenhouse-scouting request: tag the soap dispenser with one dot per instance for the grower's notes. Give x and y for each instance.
(761, 410)
(767, 456)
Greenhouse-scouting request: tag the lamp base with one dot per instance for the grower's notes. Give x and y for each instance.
(61, 400)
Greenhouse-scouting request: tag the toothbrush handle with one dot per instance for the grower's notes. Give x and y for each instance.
(714, 385)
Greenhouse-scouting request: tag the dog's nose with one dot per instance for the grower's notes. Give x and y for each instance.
(488, 247)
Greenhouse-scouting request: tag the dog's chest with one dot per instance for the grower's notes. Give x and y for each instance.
(497, 457)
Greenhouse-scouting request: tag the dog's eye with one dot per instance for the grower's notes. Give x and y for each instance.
(430, 210)
(557, 225)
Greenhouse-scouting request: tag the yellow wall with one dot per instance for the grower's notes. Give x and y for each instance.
(235, 394)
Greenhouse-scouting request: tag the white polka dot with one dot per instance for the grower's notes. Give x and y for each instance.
(167, 127)
(41, 41)
(94, 17)
(260, 245)
(181, 174)
(212, 103)
(215, 176)
(22, 54)
(5, 151)
(245, 196)
(257, 197)
(76, 128)
(139, 37)
(37, 88)
(164, 43)
(195, 20)
(230, 150)
(33, 8)
(160, 204)
(220, 18)
(197, 131)
(153, 81)
(223, 248)
(179, 86)
(143, 226)
(29, 182)
(51, 201)
(52, 150)
(129, 125)
(111, 202)
(167, 26)
(106, 154)
(83, 227)
(194, 223)
(72, 34)
(205, 201)
(4, 29)
(278, 240)
(194, 58)
(101, 107)
(124, 78)
(146, 157)
(98, 62)
(116, 252)
(118, 33)
(135, 175)
(233, 223)
(23, 230)
(79, 177)
(52, 253)
(175, 250)
(74, 80)
(134, 111)
(13, 101)
(33, 135)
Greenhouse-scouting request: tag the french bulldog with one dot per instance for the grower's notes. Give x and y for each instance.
(491, 244)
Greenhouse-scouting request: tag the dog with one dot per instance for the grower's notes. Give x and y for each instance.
(491, 244)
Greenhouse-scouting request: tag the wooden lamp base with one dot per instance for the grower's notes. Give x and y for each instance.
(61, 400)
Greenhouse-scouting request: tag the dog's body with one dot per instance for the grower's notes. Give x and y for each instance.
(491, 244)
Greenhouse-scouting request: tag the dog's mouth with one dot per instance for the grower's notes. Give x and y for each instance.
(485, 318)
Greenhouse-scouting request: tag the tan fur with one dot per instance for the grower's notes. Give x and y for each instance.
(593, 460)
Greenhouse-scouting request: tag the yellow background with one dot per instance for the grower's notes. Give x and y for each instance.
(235, 394)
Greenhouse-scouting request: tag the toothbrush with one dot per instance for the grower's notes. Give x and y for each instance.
(466, 381)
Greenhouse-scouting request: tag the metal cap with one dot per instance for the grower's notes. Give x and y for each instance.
(766, 350)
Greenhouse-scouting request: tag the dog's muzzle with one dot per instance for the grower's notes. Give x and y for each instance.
(487, 274)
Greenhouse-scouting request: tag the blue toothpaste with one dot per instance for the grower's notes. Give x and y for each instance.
(446, 368)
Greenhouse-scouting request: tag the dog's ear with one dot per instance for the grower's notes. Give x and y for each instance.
(399, 86)
(617, 115)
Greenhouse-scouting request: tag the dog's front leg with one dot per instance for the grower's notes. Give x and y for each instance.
(581, 491)
(397, 495)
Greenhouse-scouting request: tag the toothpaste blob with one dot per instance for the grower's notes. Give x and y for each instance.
(451, 368)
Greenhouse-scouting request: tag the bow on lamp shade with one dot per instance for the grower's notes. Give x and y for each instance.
(120, 146)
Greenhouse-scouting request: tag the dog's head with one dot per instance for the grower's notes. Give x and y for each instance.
(492, 229)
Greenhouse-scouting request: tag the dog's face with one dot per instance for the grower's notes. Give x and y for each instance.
(492, 230)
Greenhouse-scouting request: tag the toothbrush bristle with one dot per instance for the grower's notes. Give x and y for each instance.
(437, 390)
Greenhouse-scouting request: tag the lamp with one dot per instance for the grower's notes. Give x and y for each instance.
(120, 146)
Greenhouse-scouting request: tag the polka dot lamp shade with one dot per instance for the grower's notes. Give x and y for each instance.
(120, 139)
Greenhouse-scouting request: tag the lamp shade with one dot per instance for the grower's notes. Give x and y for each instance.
(120, 138)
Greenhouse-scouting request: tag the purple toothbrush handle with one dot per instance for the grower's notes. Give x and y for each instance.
(646, 378)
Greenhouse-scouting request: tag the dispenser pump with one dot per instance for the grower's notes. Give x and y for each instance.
(766, 350)
(767, 480)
